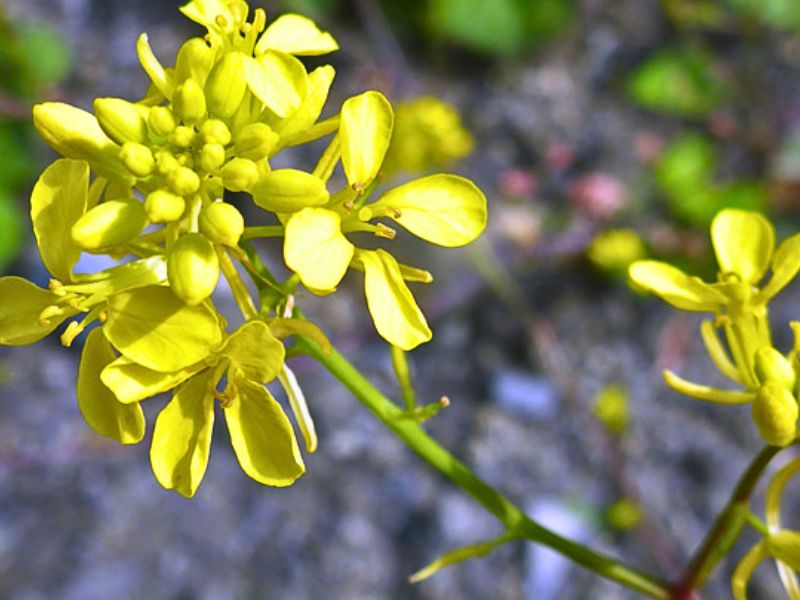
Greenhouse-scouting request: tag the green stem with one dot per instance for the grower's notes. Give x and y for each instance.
(262, 231)
(514, 519)
(403, 373)
(726, 527)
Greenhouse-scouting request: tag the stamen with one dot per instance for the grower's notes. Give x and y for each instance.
(382, 231)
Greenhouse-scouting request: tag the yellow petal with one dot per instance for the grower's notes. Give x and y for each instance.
(162, 80)
(743, 242)
(21, 304)
(676, 287)
(133, 383)
(785, 265)
(295, 34)
(255, 351)
(289, 190)
(704, 392)
(262, 436)
(283, 328)
(365, 129)
(58, 200)
(319, 84)
(206, 13)
(101, 409)
(397, 317)
(75, 133)
(279, 80)
(182, 436)
(316, 249)
(447, 210)
(152, 327)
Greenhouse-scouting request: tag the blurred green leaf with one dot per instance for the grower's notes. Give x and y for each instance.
(687, 164)
(695, 13)
(495, 27)
(545, 18)
(18, 164)
(781, 14)
(313, 8)
(678, 81)
(12, 226)
(47, 55)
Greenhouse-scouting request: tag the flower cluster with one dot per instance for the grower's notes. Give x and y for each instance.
(744, 243)
(145, 183)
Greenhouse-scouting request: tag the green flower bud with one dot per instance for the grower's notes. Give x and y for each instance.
(182, 136)
(785, 547)
(183, 181)
(240, 174)
(166, 162)
(194, 61)
(214, 187)
(255, 141)
(193, 268)
(226, 85)
(212, 157)
(222, 223)
(186, 159)
(122, 121)
(137, 158)
(771, 365)
(162, 206)
(112, 223)
(161, 121)
(215, 131)
(189, 102)
(775, 414)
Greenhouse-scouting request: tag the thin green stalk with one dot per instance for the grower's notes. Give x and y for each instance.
(403, 373)
(726, 528)
(514, 519)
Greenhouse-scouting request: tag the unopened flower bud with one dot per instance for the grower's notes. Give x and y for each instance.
(185, 159)
(771, 365)
(255, 141)
(222, 223)
(183, 181)
(212, 157)
(166, 162)
(122, 121)
(189, 102)
(137, 158)
(112, 223)
(775, 414)
(161, 121)
(182, 136)
(240, 174)
(785, 547)
(215, 131)
(193, 268)
(162, 206)
(214, 187)
(226, 86)
(194, 61)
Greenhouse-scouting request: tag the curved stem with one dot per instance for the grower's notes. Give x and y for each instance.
(726, 527)
(514, 519)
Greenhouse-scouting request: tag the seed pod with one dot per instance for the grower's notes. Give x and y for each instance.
(122, 121)
(771, 365)
(215, 131)
(226, 86)
(255, 141)
(189, 102)
(112, 223)
(137, 158)
(775, 414)
(212, 157)
(183, 181)
(240, 174)
(161, 121)
(193, 268)
(222, 223)
(162, 206)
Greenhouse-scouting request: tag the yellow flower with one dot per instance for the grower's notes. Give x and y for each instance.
(260, 432)
(744, 245)
(443, 209)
